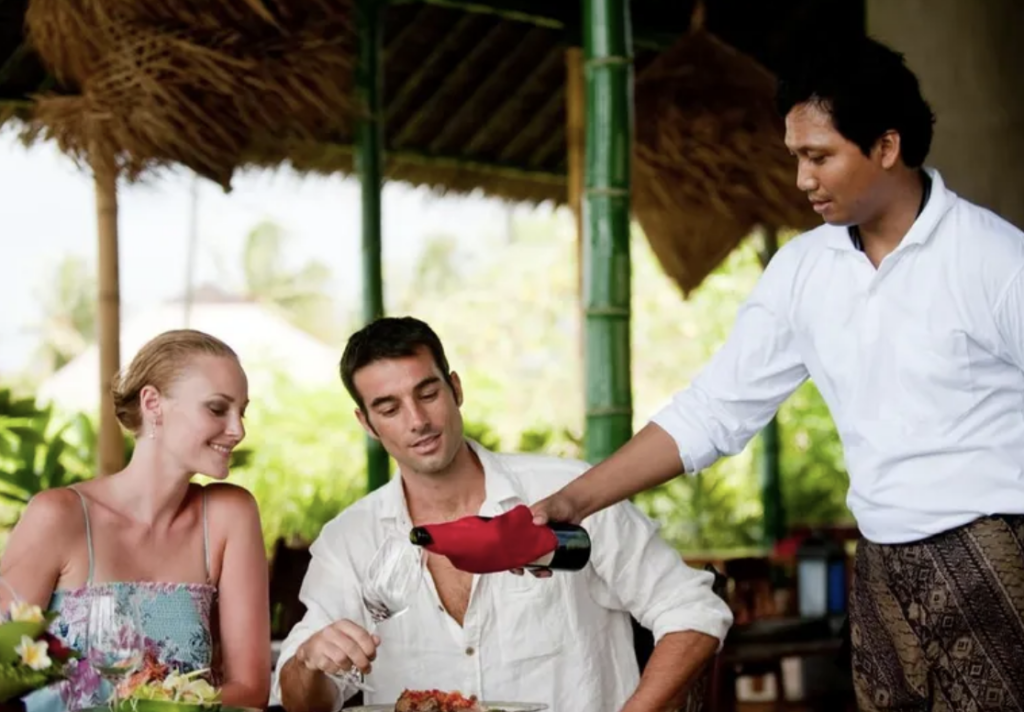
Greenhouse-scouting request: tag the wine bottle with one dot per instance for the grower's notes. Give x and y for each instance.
(571, 554)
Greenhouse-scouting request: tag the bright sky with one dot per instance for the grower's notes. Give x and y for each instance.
(48, 211)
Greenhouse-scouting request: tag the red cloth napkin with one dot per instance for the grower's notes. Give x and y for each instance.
(508, 541)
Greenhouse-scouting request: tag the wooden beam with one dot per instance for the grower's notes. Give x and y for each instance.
(534, 13)
(8, 67)
(546, 149)
(498, 114)
(539, 120)
(484, 44)
(403, 95)
(409, 30)
(648, 32)
(110, 453)
(498, 77)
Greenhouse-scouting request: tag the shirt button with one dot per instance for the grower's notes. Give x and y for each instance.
(470, 651)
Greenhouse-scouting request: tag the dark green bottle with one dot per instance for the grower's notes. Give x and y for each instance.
(571, 554)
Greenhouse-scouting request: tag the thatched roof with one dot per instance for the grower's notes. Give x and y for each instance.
(474, 98)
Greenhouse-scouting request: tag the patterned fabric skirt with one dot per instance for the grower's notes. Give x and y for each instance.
(939, 624)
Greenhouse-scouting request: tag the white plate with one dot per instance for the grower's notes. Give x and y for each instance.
(490, 706)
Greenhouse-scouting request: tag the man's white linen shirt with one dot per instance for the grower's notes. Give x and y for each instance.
(921, 363)
(565, 641)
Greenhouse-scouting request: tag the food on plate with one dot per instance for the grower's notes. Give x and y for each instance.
(158, 682)
(436, 701)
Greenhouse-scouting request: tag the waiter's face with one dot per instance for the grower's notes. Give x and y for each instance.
(843, 184)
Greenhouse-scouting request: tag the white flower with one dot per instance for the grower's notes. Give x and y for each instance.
(33, 653)
(21, 611)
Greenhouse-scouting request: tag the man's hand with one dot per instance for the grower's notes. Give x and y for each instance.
(337, 648)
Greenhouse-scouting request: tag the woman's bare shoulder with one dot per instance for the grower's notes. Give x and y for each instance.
(56, 510)
(226, 494)
(53, 516)
(234, 525)
(233, 507)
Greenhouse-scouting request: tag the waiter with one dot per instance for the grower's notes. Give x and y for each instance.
(906, 308)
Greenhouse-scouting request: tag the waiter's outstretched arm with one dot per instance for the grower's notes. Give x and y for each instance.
(728, 403)
(646, 461)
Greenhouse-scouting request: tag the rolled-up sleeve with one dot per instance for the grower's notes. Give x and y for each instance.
(634, 569)
(329, 592)
(742, 386)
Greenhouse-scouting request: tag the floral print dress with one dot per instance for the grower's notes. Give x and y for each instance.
(175, 620)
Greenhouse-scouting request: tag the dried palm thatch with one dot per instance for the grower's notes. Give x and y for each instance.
(709, 164)
(192, 82)
(442, 175)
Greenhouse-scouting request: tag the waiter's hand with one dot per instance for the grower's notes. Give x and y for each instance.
(559, 507)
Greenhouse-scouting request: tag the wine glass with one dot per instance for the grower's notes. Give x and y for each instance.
(389, 585)
(114, 639)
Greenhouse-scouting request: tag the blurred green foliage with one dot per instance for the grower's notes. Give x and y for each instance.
(507, 309)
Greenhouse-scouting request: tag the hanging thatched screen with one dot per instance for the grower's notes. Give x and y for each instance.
(709, 161)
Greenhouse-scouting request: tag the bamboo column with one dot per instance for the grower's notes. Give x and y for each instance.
(110, 453)
(608, 71)
(369, 159)
(774, 526)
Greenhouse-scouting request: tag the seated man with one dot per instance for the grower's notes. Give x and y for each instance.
(565, 641)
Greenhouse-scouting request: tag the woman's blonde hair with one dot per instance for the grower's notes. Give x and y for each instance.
(159, 363)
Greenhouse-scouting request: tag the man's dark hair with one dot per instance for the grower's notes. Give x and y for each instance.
(388, 338)
(866, 87)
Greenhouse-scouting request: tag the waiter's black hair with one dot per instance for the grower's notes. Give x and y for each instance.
(866, 87)
(390, 338)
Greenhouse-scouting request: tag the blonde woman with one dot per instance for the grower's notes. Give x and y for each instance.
(192, 556)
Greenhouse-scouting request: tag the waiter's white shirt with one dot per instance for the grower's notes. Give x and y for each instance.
(921, 363)
(566, 641)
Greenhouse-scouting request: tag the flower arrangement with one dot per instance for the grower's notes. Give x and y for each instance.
(30, 657)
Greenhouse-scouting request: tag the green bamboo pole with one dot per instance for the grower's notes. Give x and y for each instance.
(608, 74)
(774, 525)
(368, 159)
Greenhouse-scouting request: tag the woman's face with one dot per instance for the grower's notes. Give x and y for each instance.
(200, 416)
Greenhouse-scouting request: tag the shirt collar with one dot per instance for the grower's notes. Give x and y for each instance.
(502, 492)
(939, 202)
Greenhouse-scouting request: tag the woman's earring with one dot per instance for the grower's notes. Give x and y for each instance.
(152, 431)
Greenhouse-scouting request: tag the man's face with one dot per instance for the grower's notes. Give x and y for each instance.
(842, 183)
(412, 411)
